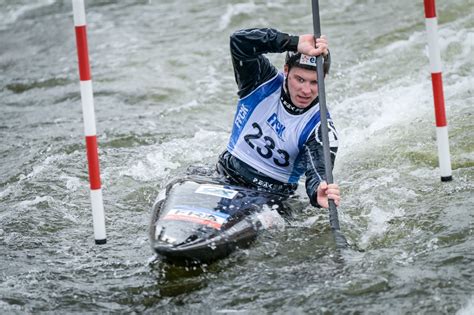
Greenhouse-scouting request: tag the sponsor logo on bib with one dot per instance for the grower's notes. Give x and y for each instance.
(240, 117)
(276, 125)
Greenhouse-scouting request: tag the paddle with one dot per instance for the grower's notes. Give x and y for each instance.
(341, 241)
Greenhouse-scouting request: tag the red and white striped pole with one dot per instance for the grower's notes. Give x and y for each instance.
(437, 82)
(87, 98)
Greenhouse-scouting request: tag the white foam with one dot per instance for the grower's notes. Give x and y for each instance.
(468, 308)
(378, 110)
(161, 160)
(5, 192)
(378, 223)
(38, 199)
(179, 108)
(155, 166)
(425, 173)
(72, 183)
(211, 83)
(234, 10)
(408, 95)
(14, 11)
(270, 218)
(43, 167)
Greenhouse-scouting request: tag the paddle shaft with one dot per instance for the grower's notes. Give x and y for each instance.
(333, 218)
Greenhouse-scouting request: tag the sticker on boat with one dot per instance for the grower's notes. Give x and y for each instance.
(202, 216)
(216, 190)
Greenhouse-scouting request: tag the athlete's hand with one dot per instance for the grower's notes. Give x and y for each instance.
(307, 45)
(325, 192)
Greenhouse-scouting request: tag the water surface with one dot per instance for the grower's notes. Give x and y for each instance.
(165, 94)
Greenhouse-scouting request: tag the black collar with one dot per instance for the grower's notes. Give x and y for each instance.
(288, 104)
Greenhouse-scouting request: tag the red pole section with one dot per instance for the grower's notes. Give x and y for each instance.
(87, 99)
(438, 94)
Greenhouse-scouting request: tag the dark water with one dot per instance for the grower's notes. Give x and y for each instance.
(165, 95)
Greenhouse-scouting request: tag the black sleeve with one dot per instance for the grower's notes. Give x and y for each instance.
(247, 47)
(315, 169)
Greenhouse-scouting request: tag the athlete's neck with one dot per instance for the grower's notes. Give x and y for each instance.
(288, 104)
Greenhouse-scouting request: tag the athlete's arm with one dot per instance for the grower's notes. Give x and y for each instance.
(316, 187)
(247, 47)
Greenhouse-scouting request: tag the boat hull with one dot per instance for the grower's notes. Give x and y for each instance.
(199, 220)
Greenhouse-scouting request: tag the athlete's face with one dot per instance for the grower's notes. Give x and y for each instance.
(302, 86)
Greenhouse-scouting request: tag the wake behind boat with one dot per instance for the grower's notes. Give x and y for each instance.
(200, 219)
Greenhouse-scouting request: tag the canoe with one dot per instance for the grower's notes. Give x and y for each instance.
(200, 219)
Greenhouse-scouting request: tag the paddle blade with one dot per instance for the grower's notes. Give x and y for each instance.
(339, 238)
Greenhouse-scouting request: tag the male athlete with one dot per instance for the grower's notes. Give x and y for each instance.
(276, 134)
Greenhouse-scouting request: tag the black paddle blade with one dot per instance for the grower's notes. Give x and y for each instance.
(339, 238)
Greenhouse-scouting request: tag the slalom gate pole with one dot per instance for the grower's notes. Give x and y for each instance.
(87, 98)
(438, 95)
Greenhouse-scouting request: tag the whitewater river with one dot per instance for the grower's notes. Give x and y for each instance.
(165, 98)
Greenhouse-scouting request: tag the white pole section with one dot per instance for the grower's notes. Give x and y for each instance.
(438, 95)
(87, 98)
